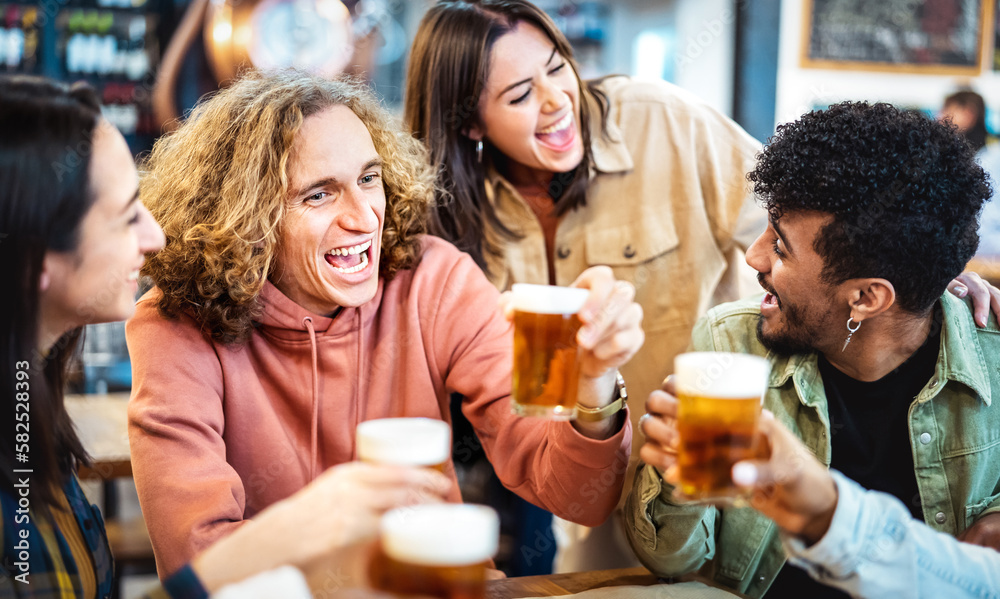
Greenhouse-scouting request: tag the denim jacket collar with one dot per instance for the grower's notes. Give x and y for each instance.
(960, 358)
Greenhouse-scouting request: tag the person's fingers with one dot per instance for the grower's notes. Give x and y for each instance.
(616, 348)
(672, 475)
(670, 385)
(642, 422)
(653, 454)
(752, 474)
(761, 498)
(607, 317)
(663, 432)
(774, 436)
(662, 404)
(378, 487)
(994, 302)
(386, 497)
(494, 574)
(381, 474)
(600, 280)
(958, 288)
(623, 316)
(980, 294)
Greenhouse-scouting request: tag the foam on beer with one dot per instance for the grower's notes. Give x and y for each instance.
(441, 534)
(721, 375)
(548, 299)
(404, 441)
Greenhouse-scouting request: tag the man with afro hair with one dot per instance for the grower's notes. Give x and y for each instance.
(884, 376)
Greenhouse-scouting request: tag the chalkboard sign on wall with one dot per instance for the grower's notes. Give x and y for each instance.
(922, 36)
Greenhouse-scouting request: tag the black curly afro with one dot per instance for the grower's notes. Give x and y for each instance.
(905, 193)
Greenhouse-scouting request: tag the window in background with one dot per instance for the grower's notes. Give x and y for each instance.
(652, 54)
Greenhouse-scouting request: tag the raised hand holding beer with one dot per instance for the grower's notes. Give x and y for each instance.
(790, 487)
(610, 334)
(341, 509)
(659, 426)
(703, 422)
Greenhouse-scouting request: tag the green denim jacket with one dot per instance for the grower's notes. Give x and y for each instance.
(954, 435)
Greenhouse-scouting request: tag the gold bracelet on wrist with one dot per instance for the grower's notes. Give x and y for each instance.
(584, 414)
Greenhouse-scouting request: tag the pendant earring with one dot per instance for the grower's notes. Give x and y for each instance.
(479, 151)
(850, 332)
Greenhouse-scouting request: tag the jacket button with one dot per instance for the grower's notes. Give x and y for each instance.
(88, 524)
(629, 251)
(925, 438)
(940, 517)
(563, 253)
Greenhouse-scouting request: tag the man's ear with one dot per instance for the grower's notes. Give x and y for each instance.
(870, 297)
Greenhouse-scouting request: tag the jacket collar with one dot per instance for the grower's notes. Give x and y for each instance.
(960, 357)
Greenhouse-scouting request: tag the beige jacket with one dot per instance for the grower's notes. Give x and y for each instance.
(668, 208)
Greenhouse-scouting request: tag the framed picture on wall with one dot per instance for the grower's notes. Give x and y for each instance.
(944, 37)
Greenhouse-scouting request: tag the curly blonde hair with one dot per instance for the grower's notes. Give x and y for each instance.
(218, 186)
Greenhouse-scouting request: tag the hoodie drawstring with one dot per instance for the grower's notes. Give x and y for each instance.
(314, 433)
(359, 413)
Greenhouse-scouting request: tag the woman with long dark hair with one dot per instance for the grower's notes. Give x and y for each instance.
(545, 174)
(73, 236)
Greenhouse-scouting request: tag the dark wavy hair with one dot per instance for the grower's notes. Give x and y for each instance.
(905, 193)
(46, 139)
(449, 64)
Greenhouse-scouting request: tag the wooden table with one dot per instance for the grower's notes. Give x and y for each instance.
(102, 425)
(987, 267)
(566, 584)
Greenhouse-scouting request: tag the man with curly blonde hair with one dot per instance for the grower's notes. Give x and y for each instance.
(296, 297)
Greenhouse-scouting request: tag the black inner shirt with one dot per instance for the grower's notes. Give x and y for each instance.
(869, 442)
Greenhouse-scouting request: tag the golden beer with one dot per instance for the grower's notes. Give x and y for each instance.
(546, 358)
(439, 550)
(446, 582)
(421, 442)
(719, 397)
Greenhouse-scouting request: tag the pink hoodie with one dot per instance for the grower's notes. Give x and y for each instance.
(219, 432)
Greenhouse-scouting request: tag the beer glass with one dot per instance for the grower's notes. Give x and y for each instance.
(719, 399)
(436, 550)
(546, 360)
(405, 442)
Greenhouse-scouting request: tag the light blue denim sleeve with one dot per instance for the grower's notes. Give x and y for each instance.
(874, 548)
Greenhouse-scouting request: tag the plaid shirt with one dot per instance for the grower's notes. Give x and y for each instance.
(51, 569)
